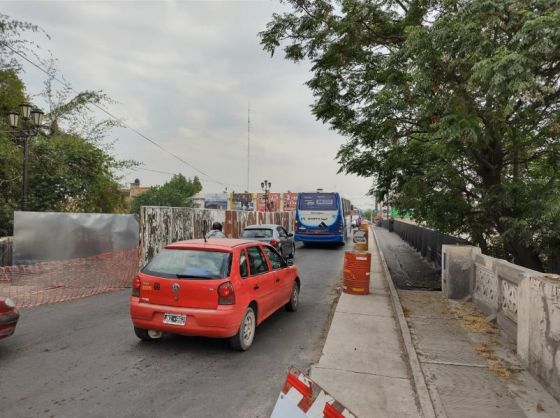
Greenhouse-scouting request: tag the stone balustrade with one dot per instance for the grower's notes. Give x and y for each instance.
(524, 303)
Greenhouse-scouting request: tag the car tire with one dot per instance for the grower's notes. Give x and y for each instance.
(243, 340)
(146, 334)
(293, 304)
(293, 253)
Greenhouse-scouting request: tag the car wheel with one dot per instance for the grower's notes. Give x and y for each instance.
(147, 334)
(293, 253)
(293, 304)
(243, 340)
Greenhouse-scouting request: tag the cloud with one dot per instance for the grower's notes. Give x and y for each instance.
(184, 73)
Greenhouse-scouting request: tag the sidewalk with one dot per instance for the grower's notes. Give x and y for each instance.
(364, 364)
(470, 368)
(413, 353)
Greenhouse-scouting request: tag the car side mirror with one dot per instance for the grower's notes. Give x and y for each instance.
(290, 261)
(290, 234)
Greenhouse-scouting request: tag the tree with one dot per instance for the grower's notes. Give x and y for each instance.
(451, 106)
(71, 168)
(177, 192)
(368, 214)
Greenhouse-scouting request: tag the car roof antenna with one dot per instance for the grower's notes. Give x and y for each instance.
(204, 228)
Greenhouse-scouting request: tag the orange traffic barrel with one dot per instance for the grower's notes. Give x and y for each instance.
(356, 272)
(361, 246)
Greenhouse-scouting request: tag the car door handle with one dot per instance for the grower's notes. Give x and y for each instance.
(257, 287)
(277, 280)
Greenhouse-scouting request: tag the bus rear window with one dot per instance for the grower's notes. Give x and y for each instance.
(317, 201)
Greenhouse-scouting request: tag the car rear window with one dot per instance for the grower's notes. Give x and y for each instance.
(257, 233)
(189, 264)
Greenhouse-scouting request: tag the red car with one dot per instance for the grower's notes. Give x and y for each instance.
(217, 288)
(8, 317)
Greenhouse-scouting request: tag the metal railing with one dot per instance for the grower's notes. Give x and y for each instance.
(427, 241)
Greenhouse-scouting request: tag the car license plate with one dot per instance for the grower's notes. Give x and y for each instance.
(173, 319)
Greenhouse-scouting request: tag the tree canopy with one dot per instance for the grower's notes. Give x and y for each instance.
(451, 106)
(70, 166)
(177, 192)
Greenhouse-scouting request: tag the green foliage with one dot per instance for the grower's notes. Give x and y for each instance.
(368, 214)
(11, 92)
(70, 169)
(177, 192)
(452, 107)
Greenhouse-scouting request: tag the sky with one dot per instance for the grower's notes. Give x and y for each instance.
(184, 74)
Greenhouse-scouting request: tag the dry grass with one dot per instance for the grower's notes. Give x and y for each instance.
(476, 322)
(495, 364)
(472, 320)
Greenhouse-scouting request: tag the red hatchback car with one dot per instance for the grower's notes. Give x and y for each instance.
(8, 317)
(217, 288)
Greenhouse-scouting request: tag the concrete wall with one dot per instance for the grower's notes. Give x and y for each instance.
(524, 303)
(457, 270)
(160, 225)
(538, 342)
(6, 251)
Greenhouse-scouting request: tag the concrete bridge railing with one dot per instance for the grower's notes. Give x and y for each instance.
(524, 303)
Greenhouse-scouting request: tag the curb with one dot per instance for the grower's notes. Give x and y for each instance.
(425, 397)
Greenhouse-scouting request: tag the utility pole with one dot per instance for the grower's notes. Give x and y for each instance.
(248, 142)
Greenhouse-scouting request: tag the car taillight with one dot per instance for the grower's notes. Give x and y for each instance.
(136, 287)
(274, 243)
(226, 294)
(9, 303)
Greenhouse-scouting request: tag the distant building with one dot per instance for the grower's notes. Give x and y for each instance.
(134, 190)
(198, 200)
(216, 201)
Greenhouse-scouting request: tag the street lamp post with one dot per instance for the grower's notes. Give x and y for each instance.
(31, 122)
(265, 186)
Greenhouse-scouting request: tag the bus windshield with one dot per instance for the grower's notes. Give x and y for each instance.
(317, 201)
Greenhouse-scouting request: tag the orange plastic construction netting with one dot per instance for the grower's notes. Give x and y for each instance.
(58, 281)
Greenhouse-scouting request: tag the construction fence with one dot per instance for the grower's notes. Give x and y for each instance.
(161, 225)
(65, 268)
(58, 281)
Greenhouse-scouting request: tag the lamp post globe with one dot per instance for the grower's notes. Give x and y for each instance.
(25, 110)
(37, 116)
(13, 116)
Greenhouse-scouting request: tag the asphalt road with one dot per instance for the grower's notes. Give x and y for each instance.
(82, 359)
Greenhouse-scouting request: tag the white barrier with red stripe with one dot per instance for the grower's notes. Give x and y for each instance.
(302, 397)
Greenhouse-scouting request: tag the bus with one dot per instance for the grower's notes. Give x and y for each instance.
(322, 217)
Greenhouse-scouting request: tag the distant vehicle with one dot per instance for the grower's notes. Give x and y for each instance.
(9, 316)
(322, 217)
(274, 235)
(220, 288)
(356, 218)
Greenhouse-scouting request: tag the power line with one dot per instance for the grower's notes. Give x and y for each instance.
(170, 173)
(211, 179)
